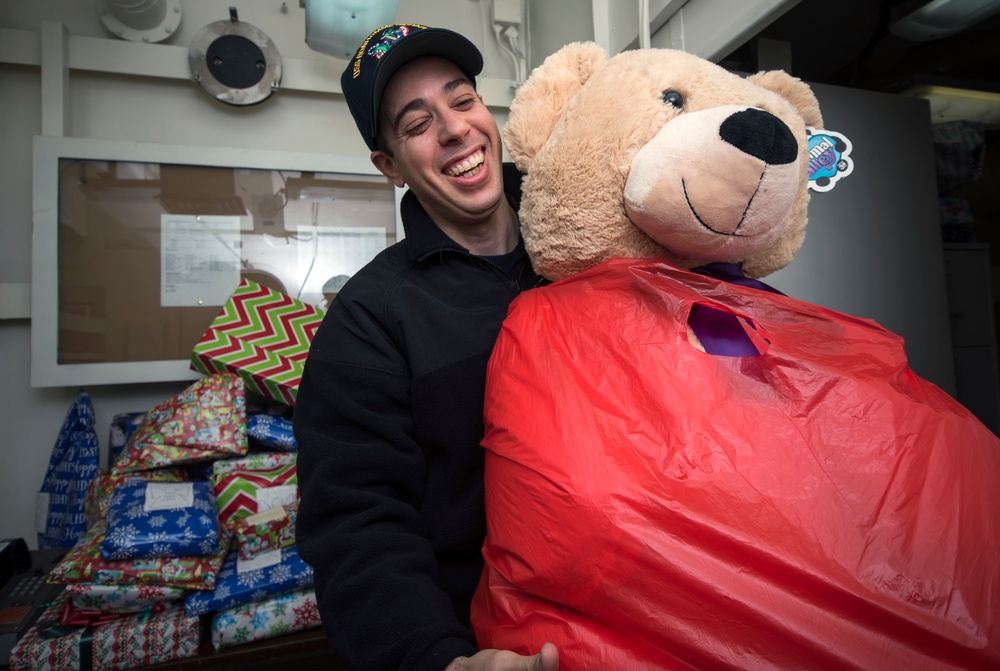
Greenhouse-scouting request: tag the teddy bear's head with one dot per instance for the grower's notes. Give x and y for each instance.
(659, 153)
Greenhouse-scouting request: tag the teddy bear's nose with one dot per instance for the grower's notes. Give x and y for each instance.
(762, 135)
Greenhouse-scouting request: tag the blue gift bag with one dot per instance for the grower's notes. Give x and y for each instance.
(74, 463)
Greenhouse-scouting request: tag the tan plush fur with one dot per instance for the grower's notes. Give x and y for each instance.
(605, 177)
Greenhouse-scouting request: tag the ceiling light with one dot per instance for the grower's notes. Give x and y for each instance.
(337, 27)
(921, 20)
(955, 104)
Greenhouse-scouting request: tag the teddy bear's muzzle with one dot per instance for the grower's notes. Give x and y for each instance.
(717, 184)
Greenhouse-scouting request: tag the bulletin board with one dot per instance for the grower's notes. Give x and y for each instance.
(137, 247)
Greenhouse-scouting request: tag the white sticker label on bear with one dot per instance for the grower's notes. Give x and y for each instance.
(829, 158)
(168, 496)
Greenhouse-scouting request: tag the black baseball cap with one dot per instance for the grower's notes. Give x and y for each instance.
(385, 51)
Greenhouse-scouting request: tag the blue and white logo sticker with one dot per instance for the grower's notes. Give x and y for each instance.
(829, 158)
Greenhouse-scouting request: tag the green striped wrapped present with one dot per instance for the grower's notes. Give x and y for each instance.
(263, 336)
(253, 484)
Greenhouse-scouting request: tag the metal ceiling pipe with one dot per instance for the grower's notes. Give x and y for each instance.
(138, 14)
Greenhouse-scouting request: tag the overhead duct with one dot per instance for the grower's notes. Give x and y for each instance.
(140, 20)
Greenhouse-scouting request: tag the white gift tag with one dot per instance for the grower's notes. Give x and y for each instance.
(263, 560)
(272, 497)
(41, 511)
(168, 496)
(275, 513)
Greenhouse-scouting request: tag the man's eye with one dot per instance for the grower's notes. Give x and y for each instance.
(416, 127)
(465, 102)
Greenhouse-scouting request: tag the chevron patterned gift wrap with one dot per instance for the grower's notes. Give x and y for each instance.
(253, 484)
(263, 336)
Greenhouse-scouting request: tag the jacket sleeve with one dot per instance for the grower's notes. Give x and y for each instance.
(361, 477)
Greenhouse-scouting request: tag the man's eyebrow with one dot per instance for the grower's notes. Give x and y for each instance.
(417, 103)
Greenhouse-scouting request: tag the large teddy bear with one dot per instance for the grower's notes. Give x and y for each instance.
(684, 467)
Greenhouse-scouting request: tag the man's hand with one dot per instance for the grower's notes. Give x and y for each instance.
(505, 660)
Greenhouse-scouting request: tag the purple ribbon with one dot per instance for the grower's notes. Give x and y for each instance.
(721, 333)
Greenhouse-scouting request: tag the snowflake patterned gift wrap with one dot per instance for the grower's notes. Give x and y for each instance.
(85, 564)
(128, 642)
(122, 598)
(271, 432)
(103, 487)
(268, 618)
(264, 336)
(270, 530)
(206, 421)
(252, 484)
(240, 581)
(161, 519)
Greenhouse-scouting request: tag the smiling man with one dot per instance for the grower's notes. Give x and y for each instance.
(389, 414)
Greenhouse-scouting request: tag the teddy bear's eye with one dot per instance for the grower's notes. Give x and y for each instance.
(674, 98)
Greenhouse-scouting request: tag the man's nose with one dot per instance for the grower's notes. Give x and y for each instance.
(454, 126)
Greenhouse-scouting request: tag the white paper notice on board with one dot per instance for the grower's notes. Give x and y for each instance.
(199, 259)
(336, 251)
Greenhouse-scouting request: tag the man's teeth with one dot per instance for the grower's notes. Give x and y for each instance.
(467, 165)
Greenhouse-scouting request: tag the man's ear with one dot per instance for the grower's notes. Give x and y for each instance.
(387, 167)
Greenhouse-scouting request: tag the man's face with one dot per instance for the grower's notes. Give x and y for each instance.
(445, 143)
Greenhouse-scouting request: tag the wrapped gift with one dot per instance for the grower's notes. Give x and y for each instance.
(271, 432)
(161, 519)
(122, 598)
(73, 464)
(254, 483)
(268, 618)
(264, 336)
(241, 581)
(205, 421)
(104, 485)
(127, 642)
(84, 563)
(122, 427)
(270, 530)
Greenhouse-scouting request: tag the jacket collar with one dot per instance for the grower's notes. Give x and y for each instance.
(423, 236)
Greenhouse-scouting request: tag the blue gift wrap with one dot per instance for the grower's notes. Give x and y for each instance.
(271, 432)
(239, 581)
(149, 519)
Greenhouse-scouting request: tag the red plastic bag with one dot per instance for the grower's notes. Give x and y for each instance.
(653, 506)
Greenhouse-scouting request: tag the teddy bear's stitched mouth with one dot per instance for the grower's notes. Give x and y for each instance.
(735, 233)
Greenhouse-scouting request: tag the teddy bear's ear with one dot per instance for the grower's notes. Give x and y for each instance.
(541, 99)
(793, 90)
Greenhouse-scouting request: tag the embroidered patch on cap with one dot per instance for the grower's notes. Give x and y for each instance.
(386, 41)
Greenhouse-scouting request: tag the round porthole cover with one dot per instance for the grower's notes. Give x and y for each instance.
(237, 63)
